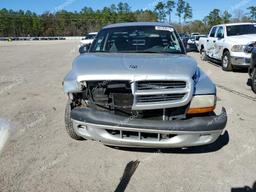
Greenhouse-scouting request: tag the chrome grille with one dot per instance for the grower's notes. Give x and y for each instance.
(161, 94)
(159, 98)
(149, 85)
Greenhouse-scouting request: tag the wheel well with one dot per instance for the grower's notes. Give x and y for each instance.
(225, 50)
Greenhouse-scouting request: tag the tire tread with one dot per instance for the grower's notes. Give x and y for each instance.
(69, 123)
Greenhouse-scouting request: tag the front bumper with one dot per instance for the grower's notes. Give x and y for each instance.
(240, 61)
(117, 130)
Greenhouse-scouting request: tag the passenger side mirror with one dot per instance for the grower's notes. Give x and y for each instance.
(84, 49)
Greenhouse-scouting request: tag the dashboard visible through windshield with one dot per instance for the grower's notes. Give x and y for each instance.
(138, 39)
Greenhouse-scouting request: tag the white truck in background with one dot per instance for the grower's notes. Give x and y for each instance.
(88, 39)
(228, 44)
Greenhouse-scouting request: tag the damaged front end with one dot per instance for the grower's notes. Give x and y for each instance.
(144, 113)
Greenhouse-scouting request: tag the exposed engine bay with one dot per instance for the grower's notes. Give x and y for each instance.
(117, 98)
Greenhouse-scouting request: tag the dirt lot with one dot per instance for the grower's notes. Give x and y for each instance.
(40, 156)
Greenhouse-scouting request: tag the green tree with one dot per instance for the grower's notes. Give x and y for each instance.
(5, 23)
(226, 17)
(145, 15)
(106, 16)
(198, 26)
(28, 23)
(65, 23)
(123, 7)
(170, 5)
(214, 18)
(252, 10)
(36, 25)
(187, 12)
(180, 9)
(160, 10)
(49, 24)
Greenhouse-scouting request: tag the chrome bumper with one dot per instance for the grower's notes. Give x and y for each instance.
(131, 133)
(240, 61)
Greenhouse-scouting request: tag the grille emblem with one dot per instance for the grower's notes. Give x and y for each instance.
(133, 66)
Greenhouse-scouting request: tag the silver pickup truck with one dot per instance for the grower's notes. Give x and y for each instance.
(136, 87)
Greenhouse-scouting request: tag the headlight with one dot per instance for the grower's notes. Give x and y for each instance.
(202, 104)
(238, 48)
(73, 86)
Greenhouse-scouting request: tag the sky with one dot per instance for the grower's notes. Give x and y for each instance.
(201, 8)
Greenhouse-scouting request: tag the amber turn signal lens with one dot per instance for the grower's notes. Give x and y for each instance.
(200, 110)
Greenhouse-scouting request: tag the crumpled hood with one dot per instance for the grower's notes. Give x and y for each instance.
(242, 39)
(132, 66)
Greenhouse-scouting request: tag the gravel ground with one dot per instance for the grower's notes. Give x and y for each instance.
(40, 156)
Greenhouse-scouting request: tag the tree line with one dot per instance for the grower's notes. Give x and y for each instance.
(216, 17)
(165, 10)
(183, 10)
(66, 23)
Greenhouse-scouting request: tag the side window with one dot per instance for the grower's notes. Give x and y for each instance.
(220, 32)
(213, 31)
(99, 42)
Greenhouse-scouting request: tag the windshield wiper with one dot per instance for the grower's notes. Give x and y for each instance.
(159, 52)
(147, 52)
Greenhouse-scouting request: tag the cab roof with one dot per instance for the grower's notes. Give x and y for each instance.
(233, 24)
(130, 24)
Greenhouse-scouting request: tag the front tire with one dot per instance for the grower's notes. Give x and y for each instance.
(204, 57)
(226, 62)
(254, 81)
(69, 123)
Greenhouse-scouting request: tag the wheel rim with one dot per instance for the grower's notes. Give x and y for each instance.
(254, 82)
(225, 61)
(203, 54)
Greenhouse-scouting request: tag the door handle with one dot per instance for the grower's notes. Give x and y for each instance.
(214, 41)
(207, 40)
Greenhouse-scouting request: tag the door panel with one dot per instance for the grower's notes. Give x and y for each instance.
(210, 42)
(219, 44)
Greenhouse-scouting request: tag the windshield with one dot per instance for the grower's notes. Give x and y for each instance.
(138, 39)
(241, 29)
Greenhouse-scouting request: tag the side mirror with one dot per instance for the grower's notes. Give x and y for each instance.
(84, 49)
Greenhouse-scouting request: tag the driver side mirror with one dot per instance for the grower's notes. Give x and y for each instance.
(84, 49)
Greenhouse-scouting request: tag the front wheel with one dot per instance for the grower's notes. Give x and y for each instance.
(69, 123)
(254, 81)
(226, 62)
(204, 57)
